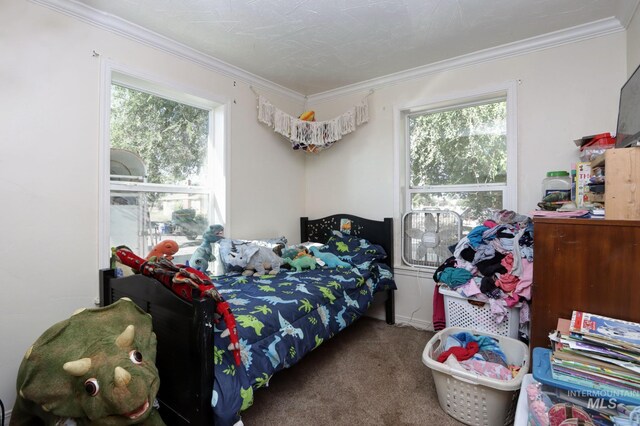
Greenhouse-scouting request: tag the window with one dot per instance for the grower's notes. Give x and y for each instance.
(457, 158)
(161, 177)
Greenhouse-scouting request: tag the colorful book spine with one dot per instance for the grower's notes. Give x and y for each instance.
(591, 384)
(583, 174)
(626, 333)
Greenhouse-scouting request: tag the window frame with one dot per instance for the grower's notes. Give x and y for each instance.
(217, 164)
(506, 92)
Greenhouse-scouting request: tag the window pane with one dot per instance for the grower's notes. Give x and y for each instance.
(140, 220)
(170, 137)
(472, 206)
(459, 146)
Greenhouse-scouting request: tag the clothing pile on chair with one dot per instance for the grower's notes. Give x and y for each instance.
(493, 264)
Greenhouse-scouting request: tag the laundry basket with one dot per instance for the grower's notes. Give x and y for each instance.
(469, 397)
(460, 311)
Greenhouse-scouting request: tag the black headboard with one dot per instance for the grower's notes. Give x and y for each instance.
(376, 231)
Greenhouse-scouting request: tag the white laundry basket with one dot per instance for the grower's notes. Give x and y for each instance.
(460, 311)
(471, 398)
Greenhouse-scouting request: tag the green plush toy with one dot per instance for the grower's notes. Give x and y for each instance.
(97, 367)
(302, 262)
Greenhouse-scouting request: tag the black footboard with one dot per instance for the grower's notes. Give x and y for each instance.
(185, 345)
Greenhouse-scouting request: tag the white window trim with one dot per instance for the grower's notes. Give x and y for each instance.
(510, 193)
(219, 161)
(509, 189)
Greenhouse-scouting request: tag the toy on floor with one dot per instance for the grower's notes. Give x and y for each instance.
(165, 249)
(181, 280)
(255, 260)
(330, 259)
(204, 254)
(303, 262)
(96, 367)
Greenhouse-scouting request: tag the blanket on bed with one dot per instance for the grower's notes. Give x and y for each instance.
(281, 318)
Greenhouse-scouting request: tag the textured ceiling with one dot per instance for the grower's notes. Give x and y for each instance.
(312, 46)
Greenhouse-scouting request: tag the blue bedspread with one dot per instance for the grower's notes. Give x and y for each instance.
(281, 318)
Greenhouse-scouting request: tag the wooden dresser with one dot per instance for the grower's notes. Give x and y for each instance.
(584, 264)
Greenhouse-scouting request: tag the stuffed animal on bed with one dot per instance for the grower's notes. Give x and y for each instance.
(96, 367)
(330, 259)
(294, 252)
(166, 249)
(303, 262)
(255, 260)
(204, 254)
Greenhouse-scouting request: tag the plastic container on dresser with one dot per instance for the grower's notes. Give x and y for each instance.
(559, 181)
(471, 398)
(476, 315)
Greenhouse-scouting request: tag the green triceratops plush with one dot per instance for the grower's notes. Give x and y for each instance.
(97, 367)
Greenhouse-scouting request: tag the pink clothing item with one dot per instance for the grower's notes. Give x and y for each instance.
(523, 289)
(507, 262)
(512, 300)
(525, 313)
(470, 288)
(487, 369)
(507, 282)
(498, 309)
(489, 223)
(439, 319)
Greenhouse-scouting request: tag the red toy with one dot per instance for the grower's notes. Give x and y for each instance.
(181, 280)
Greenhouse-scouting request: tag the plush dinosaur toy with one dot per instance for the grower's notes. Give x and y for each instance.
(96, 367)
(204, 254)
(303, 262)
(166, 249)
(330, 259)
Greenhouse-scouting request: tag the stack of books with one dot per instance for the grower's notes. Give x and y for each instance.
(597, 352)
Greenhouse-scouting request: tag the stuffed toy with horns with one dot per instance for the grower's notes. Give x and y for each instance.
(96, 367)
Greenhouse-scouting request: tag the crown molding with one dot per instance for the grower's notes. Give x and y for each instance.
(134, 32)
(627, 12)
(137, 33)
(547, 41)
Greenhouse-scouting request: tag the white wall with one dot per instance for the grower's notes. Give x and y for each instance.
(49, 103)
(565, 93)
(633, 43)
(50, 82)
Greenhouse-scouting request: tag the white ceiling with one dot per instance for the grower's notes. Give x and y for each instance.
(314, 46)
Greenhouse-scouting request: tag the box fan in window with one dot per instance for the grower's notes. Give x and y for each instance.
(427, 236)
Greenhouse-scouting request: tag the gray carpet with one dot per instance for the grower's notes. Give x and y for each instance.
(370, 374)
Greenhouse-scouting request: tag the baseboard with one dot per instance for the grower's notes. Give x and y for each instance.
(402, 321)
(418, 323)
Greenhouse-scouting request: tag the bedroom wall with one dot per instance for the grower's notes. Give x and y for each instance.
(49, 166)
(562, 96)
(633, 43)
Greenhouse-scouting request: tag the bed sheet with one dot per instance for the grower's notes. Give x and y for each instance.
(280, 319)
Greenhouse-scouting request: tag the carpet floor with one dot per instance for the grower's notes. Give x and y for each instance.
(370, 374)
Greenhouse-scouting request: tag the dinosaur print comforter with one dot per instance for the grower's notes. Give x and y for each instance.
(281, 318)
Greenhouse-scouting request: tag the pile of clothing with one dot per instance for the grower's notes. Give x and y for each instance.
(492, 264)
(478, 354)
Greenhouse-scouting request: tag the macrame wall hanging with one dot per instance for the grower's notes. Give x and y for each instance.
(309, 135)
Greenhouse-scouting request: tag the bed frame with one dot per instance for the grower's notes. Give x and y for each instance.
(184, 329)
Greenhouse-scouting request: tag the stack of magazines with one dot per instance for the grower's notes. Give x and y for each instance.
(599, 353)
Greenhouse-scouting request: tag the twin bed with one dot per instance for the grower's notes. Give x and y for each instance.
(279, 320)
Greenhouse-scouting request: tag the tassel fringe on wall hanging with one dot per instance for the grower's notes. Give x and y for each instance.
(312, 136)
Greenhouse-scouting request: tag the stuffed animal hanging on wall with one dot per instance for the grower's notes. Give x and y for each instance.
(97, 367)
